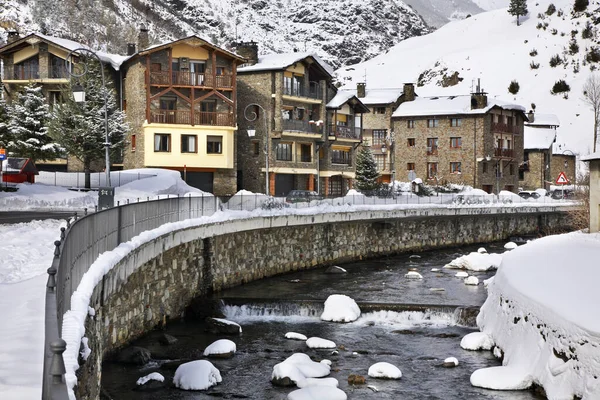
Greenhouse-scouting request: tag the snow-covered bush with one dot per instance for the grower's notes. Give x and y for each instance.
(551, 9)
(513, 87)
(560, 86)
(555, 60)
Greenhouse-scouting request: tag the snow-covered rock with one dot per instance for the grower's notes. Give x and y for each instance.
(221, 325)
(334, 269)
(340, 308)
(295, 336)
(220, 348)
(501, 378)
(296, 368)
(435, 269)
(196, 375)
(384, 370)
(319, 343)
(476, 262)
(154, 376)
(413, 275)
(472, 280)
(477, 341)
(318, 382)
(482, 250)
(318, 393)
(451, 362)
(510, 246)
(326, 362)
(461, 274)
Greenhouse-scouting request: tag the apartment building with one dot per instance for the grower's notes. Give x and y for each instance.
(539, 136)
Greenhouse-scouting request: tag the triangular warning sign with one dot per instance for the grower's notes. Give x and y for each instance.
(562, 179)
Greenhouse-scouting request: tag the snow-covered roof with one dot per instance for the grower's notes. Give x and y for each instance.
(590, 157)
(449, 105)
(340, 99)
(544, 119)
(380, 96)
(171, 42)
(538, 138)
(272, 62)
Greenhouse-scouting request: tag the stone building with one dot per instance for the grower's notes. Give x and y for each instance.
(594, 160)
(467, 139)
(563, 160)
(180, 102)
(539, 135)
(292, 89)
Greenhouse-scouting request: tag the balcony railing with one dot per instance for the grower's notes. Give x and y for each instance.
(186, 117)
(314, 90)
(58, 72)
(508, 153)
(185, 78)
(300, 126)
(341, 160)
(504, 128)
(432, 151)
(344, 132)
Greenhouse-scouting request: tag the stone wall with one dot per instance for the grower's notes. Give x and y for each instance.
(135, 114)
(156, 282)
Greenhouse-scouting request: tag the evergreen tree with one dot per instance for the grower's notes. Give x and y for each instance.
(80, 128)
(366, 170)
(518, 8)
(4, 119)
(28, 127)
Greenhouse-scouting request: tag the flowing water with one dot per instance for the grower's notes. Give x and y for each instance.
(403, 322)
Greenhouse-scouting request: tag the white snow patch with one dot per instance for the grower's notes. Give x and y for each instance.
(326, 362)
(154, 376)
(319, 343)
(481, 250)
(435, 269)
(340, 308)
(452, 360)
(510, 246)
(295, 336)
(413, 275)
(221, 346)
(196, 375)
(477, 341)
(299, 367)
(501, 378)
(384, 370)
(86, 351)
(461, 274)
(476, 262)
(318, 382)
(228, 322)
(472, 280)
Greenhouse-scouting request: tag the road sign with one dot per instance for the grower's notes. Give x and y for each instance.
(2, 154)
(562, 179)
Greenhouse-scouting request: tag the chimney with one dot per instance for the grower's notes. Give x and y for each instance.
(530, 116)
(143, 40)
(409, 92)
(361, 90)
(13, 36)
(130, 49)
(248, 50)
(479, 98)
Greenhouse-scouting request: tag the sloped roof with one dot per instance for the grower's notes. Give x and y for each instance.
(172, 42)
(538, 138)
(273, 62)
(544, 120)
(449, 105)
(347, 97)
(380, 96)
(114, 60)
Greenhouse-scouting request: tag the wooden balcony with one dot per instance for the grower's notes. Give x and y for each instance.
(504, 153)
(187, 117)
(504, 128)
(300, 126)
(345, 132)
(191, 79)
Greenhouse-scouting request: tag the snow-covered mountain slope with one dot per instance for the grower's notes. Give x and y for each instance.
(440, 12)
(343, 32)
(491, 4)
(491, 47)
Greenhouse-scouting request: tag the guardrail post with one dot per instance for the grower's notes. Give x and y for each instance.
(75, 216)
(85, 211)
(57, 367)
(95, 208)
(62, 233)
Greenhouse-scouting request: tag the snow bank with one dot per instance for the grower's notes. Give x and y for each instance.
(317, 393)
(221, 346)
(477, 341)
(154, 376)
(196, 375)
(340, 308)
(295, 336)
(501, 378)
(542, 312)
(319, 343)
(476, 261)
(384, 370)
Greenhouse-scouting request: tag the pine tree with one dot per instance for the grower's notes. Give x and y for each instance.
(4, 120)
(518, 8)
(80, 128)
(28, 127)
(366, 170)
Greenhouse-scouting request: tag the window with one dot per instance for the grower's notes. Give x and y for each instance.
(284, 151)
(379, 137)
(411, 142)
(509, 121)
(299, 113)
(410, 166)
(455, 168)
(305, 153)
(455, 122)
(220, 71)
(432, 170)
(455, 142)
(293, 84)
(162, 142)
(380, 161)
(340, 157)
(410, 124)
(378, 110)
(255, 148)
(133, 142)
(188, 143)
(433, 123)
(432, 146)
(485, 167)
(214, 144)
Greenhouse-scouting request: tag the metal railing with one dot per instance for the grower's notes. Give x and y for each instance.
(508, 153)
(504, 128)
(97, 179)
(345, 132)
(187, 117)
(300, 126)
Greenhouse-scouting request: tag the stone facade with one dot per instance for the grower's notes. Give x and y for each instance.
(537, 171)
(134, 97)
(594, 195)
(156, 282)
(557, 165)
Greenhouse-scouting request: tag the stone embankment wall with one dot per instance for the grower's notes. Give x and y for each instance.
(159, 279)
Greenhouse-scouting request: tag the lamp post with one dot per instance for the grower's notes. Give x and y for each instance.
(79, 95)
(252, 115)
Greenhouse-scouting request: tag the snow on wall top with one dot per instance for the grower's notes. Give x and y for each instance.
(271, 62)
(538, 138)
(340, 98)
(448, 105)
(379, 96)
(590, 157)
(544, 119)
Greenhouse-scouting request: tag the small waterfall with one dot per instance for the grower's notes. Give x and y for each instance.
(272, 310)
(466, 316)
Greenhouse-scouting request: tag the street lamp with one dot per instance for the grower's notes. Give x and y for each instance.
(252, 115)
(79, 95)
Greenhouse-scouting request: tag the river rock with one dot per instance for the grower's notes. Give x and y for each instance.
(356, 380)
(218, 325)
(134, 355)
(166, 339)
(285, 381)
(334, 269)
(450, 362)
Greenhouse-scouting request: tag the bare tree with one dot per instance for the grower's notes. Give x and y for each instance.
(591, 96)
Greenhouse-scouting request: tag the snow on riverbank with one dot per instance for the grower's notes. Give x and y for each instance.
(542, 312)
